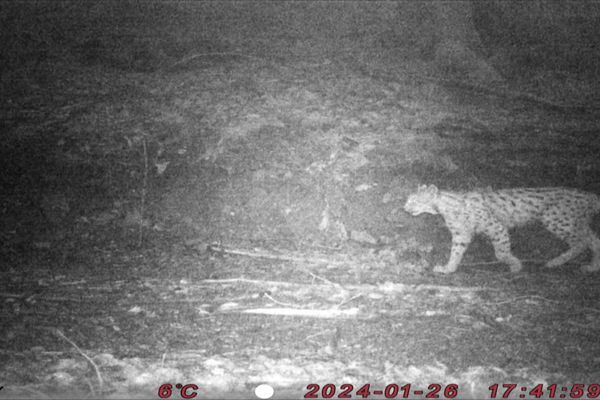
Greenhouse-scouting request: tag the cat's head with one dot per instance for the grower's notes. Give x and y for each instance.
(422, 201)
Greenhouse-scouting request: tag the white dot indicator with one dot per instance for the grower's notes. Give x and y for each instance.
(264, 391)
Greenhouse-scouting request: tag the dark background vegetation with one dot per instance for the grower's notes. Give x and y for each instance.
(136, 136)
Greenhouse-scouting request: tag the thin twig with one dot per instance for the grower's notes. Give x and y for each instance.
(309, 313)
(350, 299)
(277, 302)
(198, 55)
(144, 188)
(314, 335)
(584, 326)
(252, 281)
(324, 280)
(98, 375)
(475, 264)
(591, 309)
(513, 300)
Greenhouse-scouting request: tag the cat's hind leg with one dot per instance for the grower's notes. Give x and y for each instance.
(594, 244)
(575, 233)
(498, 234)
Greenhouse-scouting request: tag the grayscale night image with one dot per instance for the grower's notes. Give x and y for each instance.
(299, 199)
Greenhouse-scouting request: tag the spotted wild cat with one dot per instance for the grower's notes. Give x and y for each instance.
(565, 212)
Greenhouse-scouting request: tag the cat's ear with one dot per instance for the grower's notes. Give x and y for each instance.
(432, 189)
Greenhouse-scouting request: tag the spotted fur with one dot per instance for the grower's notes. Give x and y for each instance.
(565, 212)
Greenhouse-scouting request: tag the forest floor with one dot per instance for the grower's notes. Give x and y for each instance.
(235, 218)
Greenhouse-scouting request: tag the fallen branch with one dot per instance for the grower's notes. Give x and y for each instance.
(272, 256)
(388, 287)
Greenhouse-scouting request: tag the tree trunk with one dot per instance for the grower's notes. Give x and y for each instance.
(458, 49)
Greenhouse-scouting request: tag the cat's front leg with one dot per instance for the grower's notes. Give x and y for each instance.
(459, 246)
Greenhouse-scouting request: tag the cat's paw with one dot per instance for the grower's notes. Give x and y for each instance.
(442, 269)
(514, 268)
(553, 263)
(590, 268)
